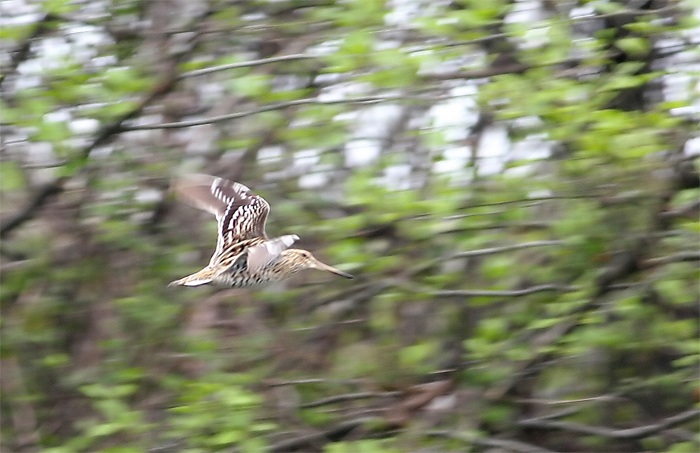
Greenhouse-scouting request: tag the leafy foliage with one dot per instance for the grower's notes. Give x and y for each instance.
(515, 190)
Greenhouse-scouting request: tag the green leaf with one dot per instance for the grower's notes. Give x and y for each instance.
(113, 409)
(103, 430)
(411, 356)
(95, 390)
(11, 176)
(357, 43)
(673, 290)
(124, 80)
(622, 82)
(644, 27)
(53, 131)
(60, 7)
(493, 329)
(608, 7)
(636, 47)
(472, 18)
(227, 437)
(251, 85)
(498, 267)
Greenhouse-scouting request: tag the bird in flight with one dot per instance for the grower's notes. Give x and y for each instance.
(244, 255)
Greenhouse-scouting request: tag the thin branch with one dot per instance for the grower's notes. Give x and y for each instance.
(504, 293)
(486, 251)
(539, 25)
(245, 64)
(534, 201)
(530, 200)
(323, 437)
(676, 258)
(506, 248)
(348, 397)
(689, 211)
(15, 266)
(278, 383)
(546, 402)
(462, 75)
(631, 12)
(498, 444)
(254, 28)
(37, 201)
(56, 164)
(278, 106)
(464, 216)
(630, 433)
(521, 226)
(482, 73)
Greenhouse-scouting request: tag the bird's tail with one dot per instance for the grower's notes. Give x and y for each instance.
(198, 278)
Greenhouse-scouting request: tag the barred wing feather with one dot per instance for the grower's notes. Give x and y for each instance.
(240, 213)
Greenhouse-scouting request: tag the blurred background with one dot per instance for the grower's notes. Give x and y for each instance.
(514, 185)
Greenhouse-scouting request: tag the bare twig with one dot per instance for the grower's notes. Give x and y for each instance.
(676, 258)
(546, 402)
(521, 226)
(245, 64)
(505, 293)
(532, 199)
(506, 248)
(278, 106)
(498, 444)
(481, 252)
(37, 201)
(348, 397)
(335, 433)
(689, 211)
(278, 383)
(603, 431)
(14, 266)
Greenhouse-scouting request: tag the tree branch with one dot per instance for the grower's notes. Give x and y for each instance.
(104, 135)
(332, 434)
(348, 397)
(481, 252)
(630, 433)
(282, 383)
(20, 54)
(675, 258)
(279, 106)
(625, 263)
(506, 248)
(245, 64)
(498, 444)
(505, 293)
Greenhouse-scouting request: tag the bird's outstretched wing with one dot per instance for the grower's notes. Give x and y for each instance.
(240, 213)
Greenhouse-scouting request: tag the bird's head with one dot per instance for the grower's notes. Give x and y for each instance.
(302, 259)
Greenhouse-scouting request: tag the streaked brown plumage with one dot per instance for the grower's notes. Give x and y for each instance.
(244, 255)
